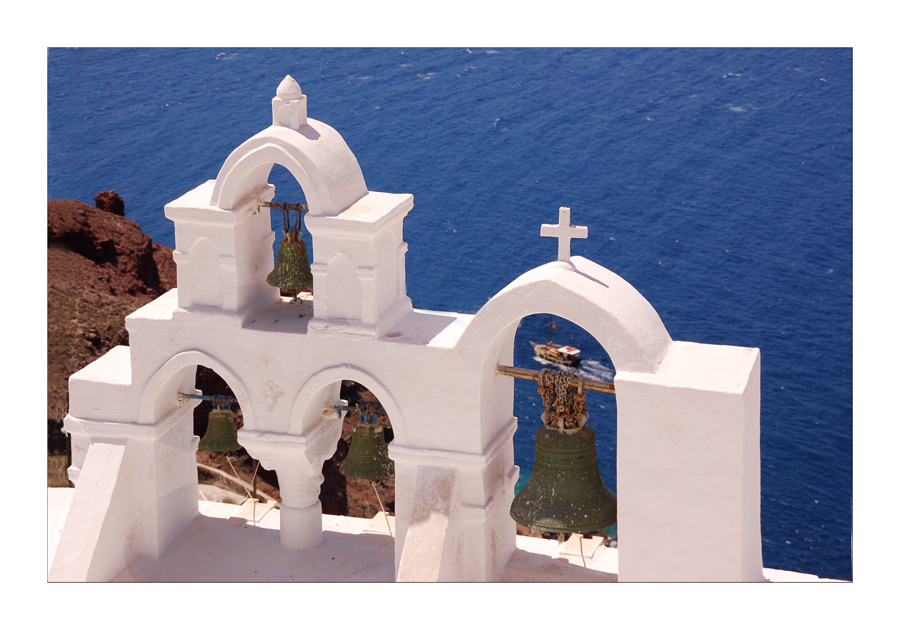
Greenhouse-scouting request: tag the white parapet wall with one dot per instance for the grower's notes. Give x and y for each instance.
(688, 474)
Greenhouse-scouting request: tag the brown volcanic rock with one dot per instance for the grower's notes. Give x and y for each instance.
(109, 201)
(125, 259)
(100, 268)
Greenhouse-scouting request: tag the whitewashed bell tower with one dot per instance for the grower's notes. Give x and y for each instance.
(687, 414)
(223, 235)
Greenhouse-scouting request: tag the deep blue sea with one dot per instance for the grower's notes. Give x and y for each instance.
(718, 182)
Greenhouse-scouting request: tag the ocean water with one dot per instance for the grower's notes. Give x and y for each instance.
(718, 182)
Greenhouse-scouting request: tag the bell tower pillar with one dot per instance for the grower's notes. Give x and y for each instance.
(359, 266)
(222, 256)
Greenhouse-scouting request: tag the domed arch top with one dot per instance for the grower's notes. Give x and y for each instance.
(316, 155)
(588, 295)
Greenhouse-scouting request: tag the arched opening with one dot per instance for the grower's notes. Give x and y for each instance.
(317, 156)
(349, 496)
(581, 355)
(604, 305)
(287, 190)
(227, 477)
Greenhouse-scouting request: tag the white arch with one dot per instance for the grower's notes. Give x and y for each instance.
(316, 155)
(157, 385)
(328, 376)
(588, 295)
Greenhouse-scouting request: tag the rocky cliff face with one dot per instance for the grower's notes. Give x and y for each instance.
(100, 268)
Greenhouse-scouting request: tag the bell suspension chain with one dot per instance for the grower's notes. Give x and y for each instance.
(564, 399)
(562, 393)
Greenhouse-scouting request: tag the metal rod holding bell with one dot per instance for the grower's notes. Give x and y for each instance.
(533, 375)
(368, 412)
(296, 207)
(218, 400)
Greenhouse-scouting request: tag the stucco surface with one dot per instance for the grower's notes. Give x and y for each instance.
(222, 545)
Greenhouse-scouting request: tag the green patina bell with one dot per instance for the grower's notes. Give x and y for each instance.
(368, 456)
(292, 270)
(565, 493)
(221, 435)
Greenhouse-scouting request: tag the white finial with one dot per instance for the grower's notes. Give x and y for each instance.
(289, 104)
(289, 89)
(564, 232)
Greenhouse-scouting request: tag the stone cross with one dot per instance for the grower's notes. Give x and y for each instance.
(564, 232)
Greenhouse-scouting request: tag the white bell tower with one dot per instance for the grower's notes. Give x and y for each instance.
(359, 266)
(224, 239)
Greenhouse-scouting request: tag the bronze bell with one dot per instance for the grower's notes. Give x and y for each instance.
(220, 435)
(292, 270)
(565, 493)
(368, 456)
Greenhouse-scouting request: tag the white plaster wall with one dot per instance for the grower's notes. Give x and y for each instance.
(206, 274)
(344, 294)
(94, 544)
(358, 259)
(223, 256)
(681, 429)
(136, 491)
(688, 467)
(428, 392)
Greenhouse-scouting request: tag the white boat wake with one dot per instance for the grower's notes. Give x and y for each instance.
(588, 368)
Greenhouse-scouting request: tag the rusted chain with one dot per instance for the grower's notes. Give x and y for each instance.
(564, 400)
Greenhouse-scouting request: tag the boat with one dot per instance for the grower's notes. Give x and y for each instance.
(557, 353)
(551, 351)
